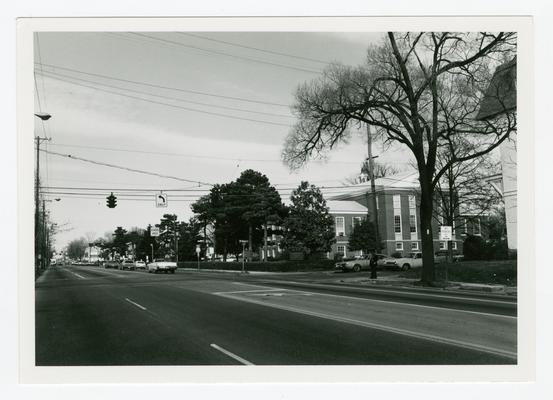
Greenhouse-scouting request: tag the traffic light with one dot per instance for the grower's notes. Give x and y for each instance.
(111, 201)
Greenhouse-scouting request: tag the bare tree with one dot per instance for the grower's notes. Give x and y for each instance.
(381, 170)
(421, 90)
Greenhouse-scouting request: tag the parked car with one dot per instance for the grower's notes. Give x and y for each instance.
(139, 265)
(111, 264)
(127, 264)
(358, 263)
(162, 265)
(413, 260)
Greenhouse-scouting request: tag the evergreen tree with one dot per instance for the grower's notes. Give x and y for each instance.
(308, 226)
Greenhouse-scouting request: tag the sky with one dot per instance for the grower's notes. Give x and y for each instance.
(198, 106)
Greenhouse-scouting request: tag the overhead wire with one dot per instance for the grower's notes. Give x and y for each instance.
(186, 155)
(176, 43)
(253, 48)
(72, 157)
(180, 107)
(68, 79)
(165, 87)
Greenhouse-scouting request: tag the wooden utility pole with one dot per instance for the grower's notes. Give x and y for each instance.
(370, 164)
(38, 229)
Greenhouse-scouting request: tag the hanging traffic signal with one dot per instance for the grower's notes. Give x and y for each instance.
(111, 201)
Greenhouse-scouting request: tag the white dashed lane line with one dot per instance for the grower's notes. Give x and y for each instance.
(136, 304)
(231, 355)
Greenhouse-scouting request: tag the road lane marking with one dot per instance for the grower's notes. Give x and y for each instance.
(386, 328)
(231, 355)
(381, 301)
(252, 291)
(77, 275)
(430, 295)
(136, 304)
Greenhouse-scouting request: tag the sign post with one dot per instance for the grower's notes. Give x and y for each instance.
(154, 231)
(243, 255)
(446, 234)
(198, 250)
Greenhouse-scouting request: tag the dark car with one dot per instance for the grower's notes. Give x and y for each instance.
(127, 264)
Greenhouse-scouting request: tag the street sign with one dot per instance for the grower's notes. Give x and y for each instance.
(154, 231)
(446, 233)
(161, 200)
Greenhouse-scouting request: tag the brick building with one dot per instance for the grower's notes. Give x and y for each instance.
(398, 211)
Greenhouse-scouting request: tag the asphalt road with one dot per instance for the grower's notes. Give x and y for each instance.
(93, 316)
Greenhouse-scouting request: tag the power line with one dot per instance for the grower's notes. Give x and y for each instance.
(176, 106)
(163, 87)
(253, 48)
(225, 54)
(188, 155)
(55, 75)
(125, 168)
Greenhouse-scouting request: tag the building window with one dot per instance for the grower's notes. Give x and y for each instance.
(465, 223)
(340, 226)
(476, 227)
(356, 221)
(399, 246)
(397, 201)
(443, 246)
(412, 203)
(341, 250)
(454, 245)
(414, 246)
(413, 223)
(397, 223)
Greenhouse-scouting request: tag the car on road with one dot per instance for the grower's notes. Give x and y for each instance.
(358, 263)
(111, 264)
(127, 264)
(162, 265)
(139, 265)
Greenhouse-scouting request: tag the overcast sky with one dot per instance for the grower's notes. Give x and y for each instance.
(179, 132)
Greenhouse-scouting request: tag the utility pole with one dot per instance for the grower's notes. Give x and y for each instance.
(38, 230)
(370, 164)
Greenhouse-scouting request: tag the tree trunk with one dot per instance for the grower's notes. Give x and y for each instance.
(428, 272)
(265, 242)
(249, 242)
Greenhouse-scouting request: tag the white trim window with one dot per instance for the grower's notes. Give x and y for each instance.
(356, 221)
(397, 223)
(465, 226)
(443, 245)
(399, 246)
(454, 245)
(412, 202)
(413, 223)
(341, 249)
(397, 201)
(414, 246)
(340, 226)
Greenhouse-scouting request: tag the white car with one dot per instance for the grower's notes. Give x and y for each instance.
(139, 265)
(413, 260)
(162, 265)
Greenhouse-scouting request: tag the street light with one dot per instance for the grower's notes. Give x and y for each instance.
(43, 116)
(38, 244)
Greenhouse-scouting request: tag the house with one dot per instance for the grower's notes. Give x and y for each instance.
(398, 216)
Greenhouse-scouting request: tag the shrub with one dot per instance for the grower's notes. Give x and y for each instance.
(474, 248)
